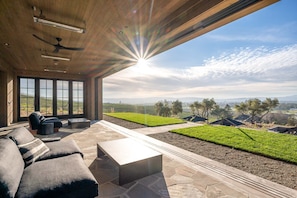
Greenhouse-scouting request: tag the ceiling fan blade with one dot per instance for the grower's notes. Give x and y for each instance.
(73, 48)
(58, 46)
(42, 39)
(56, 50)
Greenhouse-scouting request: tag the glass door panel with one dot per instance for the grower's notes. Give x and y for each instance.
(62, 97)
(46, 97)
(77, 97)
(27, 96)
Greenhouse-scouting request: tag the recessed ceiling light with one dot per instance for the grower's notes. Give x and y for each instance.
(55, 57)
(54, 70)
(58, 25)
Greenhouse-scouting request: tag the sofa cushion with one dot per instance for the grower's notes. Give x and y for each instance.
(31, 151)
(59, 177)
(60, 149)
(21, 135)
(56, 121)
(11, 168)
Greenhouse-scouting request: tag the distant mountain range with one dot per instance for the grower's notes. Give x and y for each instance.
(153, 100)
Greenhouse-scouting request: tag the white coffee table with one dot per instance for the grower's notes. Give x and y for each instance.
(133, 159)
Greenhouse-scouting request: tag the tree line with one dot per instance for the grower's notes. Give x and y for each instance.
(254, 108)
(166, 109)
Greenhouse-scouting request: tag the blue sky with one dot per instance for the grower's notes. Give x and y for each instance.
(255, 56)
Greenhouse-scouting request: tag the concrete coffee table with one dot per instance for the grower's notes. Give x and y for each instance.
(78, 123)
(133, 159)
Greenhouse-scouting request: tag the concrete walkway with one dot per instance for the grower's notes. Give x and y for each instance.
(162, 129)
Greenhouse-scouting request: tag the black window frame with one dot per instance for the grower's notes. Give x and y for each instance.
(72, 96)
(37, 95)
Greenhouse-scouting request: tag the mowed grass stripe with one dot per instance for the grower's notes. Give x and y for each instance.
(275, 145)
(145, 119)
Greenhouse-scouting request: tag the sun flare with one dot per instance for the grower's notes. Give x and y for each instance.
(142, 62)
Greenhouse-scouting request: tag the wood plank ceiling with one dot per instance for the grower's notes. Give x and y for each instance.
(117, 32)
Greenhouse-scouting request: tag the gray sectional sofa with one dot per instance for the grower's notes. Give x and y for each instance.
(56, 169)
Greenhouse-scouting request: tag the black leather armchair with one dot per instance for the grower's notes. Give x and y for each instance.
(44, 125)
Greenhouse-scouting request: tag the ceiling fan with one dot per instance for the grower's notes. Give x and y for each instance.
(58, 46)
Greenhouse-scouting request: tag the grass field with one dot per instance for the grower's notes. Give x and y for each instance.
(275, 145)
(145, 119)
(117, 108)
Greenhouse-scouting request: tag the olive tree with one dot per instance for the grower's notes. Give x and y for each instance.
(163, 109)
(256, 107)
(204, 108)
(222, 113)
(158, 107)
(177, 107)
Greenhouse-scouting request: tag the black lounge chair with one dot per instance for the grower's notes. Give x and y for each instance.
(44, 125)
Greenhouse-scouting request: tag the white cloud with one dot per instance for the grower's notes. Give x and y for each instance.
(246, 72)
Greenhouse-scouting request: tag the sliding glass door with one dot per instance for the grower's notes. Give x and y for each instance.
(63, 98)
(78, 97)
(27, 96)
(46, 97)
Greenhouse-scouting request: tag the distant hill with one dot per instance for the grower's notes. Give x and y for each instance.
(292, 98)
(288, 99)
(153, 100)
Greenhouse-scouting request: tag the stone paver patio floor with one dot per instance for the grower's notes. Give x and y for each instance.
(184, 174)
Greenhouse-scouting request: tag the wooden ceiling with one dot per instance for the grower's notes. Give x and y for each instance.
(117, 32)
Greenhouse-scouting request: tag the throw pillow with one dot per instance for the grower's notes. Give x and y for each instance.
(13, 139)
(31, 151)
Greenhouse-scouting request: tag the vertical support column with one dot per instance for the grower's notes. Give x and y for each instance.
(7, 98)
(94, 106)
(89, 98)
(98, 99)
(10, 99)
(3, 101)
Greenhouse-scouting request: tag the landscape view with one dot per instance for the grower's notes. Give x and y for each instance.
(237, 83)
(251, 60)
(269, 111)
(148, 99)
(253, 57)
(254, 135)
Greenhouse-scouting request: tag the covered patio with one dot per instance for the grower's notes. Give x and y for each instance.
(54, 56)
(65, 49)
(184, 174)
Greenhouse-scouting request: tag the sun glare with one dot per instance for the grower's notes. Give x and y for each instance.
(142, 62)
(142, 66)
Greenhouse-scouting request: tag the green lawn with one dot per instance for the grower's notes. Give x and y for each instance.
(145, 119)
(275, 145)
